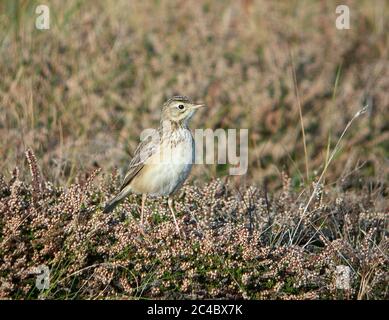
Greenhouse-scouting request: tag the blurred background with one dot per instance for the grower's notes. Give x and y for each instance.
(80, 93)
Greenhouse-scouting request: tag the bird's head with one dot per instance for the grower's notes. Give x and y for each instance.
(179, 109)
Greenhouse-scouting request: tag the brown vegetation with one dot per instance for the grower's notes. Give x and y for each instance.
(79, 95)
(236, 243)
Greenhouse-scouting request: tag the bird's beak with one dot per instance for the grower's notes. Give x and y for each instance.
(196, 106)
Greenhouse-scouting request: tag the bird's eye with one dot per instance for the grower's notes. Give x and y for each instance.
(181, 107)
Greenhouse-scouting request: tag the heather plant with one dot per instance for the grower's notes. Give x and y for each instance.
(236, 243)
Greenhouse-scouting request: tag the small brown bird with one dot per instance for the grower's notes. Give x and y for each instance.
(163, 161)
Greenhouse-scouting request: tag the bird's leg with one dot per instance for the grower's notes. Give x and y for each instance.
(143, 207)
(171, 207)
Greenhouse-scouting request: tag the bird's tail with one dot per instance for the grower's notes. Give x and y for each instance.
(115, 201)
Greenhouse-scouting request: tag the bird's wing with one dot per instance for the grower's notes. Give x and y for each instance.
(143, 152)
